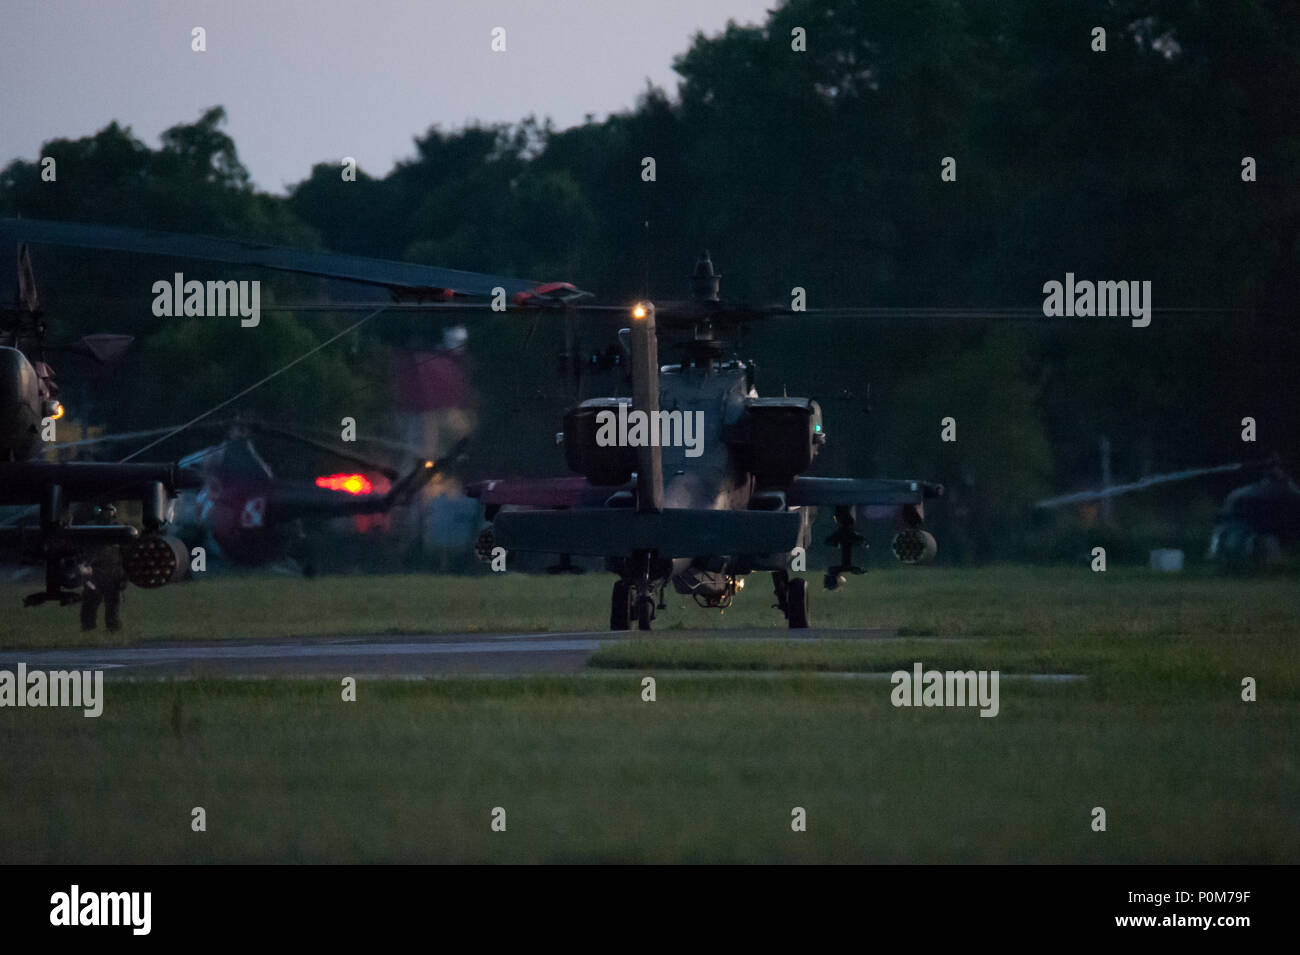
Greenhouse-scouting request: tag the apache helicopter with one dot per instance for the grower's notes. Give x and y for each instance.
(738, 506)
(29, 407)
(694, 479)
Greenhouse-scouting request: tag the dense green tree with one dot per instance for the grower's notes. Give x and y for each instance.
(821, 169)
(194, 182)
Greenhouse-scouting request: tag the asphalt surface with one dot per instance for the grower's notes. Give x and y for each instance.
(402, 656)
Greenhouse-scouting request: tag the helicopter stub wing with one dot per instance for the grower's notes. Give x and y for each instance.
(23, 482)
(614, 532)
(406, 280)
(561, 492)
(850, 492)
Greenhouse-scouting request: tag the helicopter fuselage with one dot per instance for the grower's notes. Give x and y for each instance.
(20, 406)
(717, 479)
(714, 465)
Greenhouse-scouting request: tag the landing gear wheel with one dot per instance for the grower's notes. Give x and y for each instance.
(645, 612)
(621, 606)
(796, 599)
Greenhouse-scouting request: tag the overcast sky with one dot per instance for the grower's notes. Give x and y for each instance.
(305, 81)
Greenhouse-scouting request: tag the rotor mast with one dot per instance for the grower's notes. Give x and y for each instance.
(702, 349)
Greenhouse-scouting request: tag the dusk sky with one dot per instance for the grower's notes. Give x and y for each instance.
(305, 81)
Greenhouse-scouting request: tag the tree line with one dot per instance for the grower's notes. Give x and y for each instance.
(823, 168)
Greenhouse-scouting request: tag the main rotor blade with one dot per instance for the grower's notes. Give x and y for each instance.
(532, 307)
(402, 278)
(106, 439)
(730, 313)
(1141, 485)
(384, 443)
(288, 434)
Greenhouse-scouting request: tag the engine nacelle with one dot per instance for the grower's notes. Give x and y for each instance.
(914, 546)
(601, 464)
(780, 437)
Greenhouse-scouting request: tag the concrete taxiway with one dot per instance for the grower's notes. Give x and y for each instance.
(404, 656)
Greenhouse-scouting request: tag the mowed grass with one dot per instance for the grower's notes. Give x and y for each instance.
(931, 601)
(1157, 734)
(588, 772)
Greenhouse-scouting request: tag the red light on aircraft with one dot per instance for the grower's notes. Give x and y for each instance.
(554, 292)
(348, 483)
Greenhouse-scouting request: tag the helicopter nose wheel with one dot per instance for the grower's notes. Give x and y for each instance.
(645, 611)
(630, 607)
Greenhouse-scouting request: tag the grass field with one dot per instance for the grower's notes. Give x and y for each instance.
(741, 732)
(1003, 601)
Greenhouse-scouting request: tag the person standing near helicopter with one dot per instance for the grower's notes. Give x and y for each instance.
(105, 580)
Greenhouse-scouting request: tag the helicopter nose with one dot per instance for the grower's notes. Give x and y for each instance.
(19, 404)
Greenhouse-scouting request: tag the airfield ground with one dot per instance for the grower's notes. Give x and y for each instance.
(744, 728)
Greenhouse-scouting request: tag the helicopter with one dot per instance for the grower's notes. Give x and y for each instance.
(246, 515)
(254, 517)
(28, 400)
(694, 479)
(742, 504)
(29, 410)
(1257, 525)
